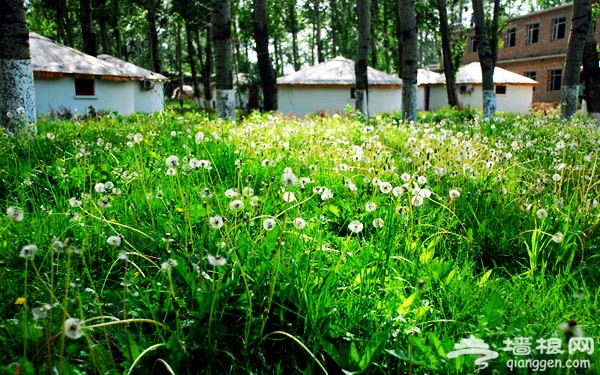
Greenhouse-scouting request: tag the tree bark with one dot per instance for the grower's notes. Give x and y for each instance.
(485, 59)
(152, 8)
(449, 71)
(225, 94)
(189, 36)
(115, 27)
(591, 73)
(87, 28)
(17, 106)
(582, 15)
(265, 67)
(410, 64)
(362, 56)
(318, 26)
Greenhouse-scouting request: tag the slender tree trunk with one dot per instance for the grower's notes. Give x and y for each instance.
(225, 94)
(410, 64)
(207, 71)
(115, 28)
(449, 71)
(265, 67)
(152, 8)
(318, 25)
(591, 70)
(485, 59)
(102, 18)
(362, 56)
(335, 42)
(191, 51)
(17, 93)
(61, 29)
(374, 6)
(87, 28)
(495, 31)
(582, 15)
(399, 46)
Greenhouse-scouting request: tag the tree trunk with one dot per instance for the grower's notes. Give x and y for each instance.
(225, 94)
(17, 106)
(318, 25)
(582, 15)
(449, 71)
(87, 28)
(103, 18)
(60, 6)
(206, 69)
(115, 27)
(410, 64)
(265, 67)
(485, 59)
(362, 56)
(335, 40)
(591, 73)
(189, 36)
(152, 8)
(373, 30)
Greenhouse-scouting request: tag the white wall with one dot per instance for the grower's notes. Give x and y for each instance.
(516, 100)
(303, 101)
(109, 95)
(149, 100)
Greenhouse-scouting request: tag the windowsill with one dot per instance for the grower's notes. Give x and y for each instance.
(84, 97)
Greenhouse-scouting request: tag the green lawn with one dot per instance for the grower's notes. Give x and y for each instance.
(180, 243)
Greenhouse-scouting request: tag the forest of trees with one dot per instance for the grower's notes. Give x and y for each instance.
(265, 39)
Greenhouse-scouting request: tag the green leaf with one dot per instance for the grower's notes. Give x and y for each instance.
(485, 278)
(451, 276)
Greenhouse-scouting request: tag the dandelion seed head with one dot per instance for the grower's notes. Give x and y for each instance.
(268, 224)
(168, 264)
(417, 200)
(326, 194)
(216, 260)
(15, 213)
(73, 328)
(355, 226)
(378, 223)
(172, 161)
(370, 206)
(114, 241)
(28, 251)
(236, 205)
(558, 237)
(453, 193)
(216, 222)
(385, 187)
(299, 223)
(541, 213)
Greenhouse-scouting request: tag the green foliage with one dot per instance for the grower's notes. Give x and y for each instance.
(281, 245)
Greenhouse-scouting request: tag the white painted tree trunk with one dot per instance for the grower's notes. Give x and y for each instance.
(17, 93)
(489, 104)
(225, 104)
(569, 97)
(364, 109)
(409, 102)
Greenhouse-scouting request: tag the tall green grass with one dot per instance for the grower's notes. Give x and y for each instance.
(180, 243)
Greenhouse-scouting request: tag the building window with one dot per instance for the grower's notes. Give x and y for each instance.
(500, 89)
(511, 37)
(353, 93)
(554, 79)
(533, 33)
(84, 87)
(559, 28)
(531, 74)
(472, 44)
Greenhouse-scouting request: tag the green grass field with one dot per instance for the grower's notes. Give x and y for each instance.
(183, 244)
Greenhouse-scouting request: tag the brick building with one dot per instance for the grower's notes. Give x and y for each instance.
(534, 45)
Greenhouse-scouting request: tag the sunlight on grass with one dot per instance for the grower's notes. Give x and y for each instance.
(285, 245)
